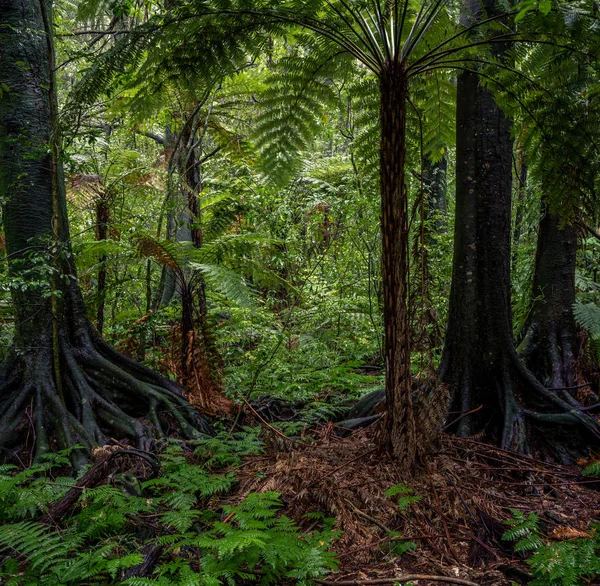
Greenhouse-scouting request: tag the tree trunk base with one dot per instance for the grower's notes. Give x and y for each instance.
(529, 418)
(101, 395)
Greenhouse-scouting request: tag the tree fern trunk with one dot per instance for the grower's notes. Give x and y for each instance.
(401, 436)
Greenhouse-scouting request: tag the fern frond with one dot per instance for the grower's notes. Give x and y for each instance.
(587, 316)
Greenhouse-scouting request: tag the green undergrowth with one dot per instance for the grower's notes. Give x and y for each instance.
(204, 538)
(573, 561)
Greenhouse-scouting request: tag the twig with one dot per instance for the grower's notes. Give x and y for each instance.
(446, 530)
(386, 540)
(591, 231)
(400, 578)
(368, 517)
(475, 538)
(462, 500)
(346, 464)
(570, 388)
(429, 540)
(513, 455)
(462, 416)
(265, 422)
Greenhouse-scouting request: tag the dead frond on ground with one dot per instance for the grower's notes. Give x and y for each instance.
(466, 488)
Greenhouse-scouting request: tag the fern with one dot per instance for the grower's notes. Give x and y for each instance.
(406, 497)
(524, 530)
(223, 451)
(588, 317)
(206, 543)
(567, 563)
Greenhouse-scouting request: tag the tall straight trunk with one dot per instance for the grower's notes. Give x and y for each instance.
(475, 360)
(492, 390)
(412, 421)
(401, 433)
(80, 390)
(549, 347)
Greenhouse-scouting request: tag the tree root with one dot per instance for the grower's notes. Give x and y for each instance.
(525, 404)
(101, 395)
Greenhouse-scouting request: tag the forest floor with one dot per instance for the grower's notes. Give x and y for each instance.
(466, 491)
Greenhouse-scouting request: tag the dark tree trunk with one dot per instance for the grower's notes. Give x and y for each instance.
(434, 183)
(492, 390)
(549, 347)
(476, 358)
(62, 384)
(102, 219)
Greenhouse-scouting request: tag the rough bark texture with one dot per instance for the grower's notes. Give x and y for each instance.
(549, 347)
(401, 435)
(62, 384)
(412, 418)
(492, 390)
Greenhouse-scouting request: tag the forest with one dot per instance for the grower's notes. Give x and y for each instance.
(299, 292)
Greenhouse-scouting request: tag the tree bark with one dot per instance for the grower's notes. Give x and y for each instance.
(62, 384)
(401, 432)
(492, 390)
(549, 347)
(475, 360)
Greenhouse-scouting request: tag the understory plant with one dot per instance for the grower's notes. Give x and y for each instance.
(568, 562)
(181, 515)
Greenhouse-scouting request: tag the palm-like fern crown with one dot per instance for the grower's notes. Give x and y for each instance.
(204, 41)
(551, 92)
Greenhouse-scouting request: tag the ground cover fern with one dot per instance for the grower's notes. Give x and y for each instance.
(568, 562)
(184, 511)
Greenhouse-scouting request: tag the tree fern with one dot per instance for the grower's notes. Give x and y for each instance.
(295, 105)
(588, 317)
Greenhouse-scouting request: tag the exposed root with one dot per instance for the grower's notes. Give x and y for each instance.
(102, 395)
(528, 411)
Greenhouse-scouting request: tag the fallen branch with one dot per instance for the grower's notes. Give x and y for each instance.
(401, 578)
(97, 474)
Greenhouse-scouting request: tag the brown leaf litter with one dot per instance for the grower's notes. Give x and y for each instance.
(467, 490)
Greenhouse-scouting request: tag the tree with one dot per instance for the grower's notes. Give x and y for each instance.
(550, 345)
(491, 387)
(62, 384)
(564, 159)
(397, 44)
